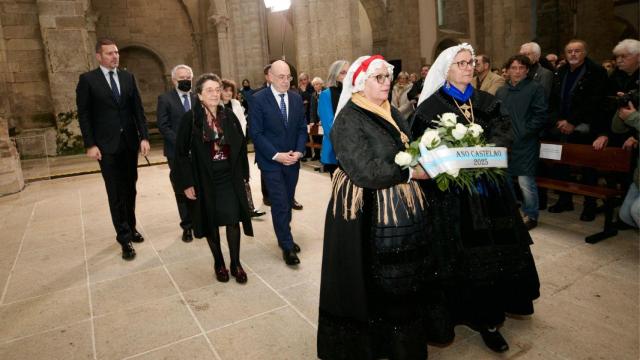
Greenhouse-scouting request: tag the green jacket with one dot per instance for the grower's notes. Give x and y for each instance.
(526, 104)
(620, 126)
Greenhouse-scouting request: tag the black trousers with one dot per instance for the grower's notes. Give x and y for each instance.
(120, 173)
(181, 198)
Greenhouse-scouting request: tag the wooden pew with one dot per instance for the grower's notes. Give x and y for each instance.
(314, 130)
(608, 160)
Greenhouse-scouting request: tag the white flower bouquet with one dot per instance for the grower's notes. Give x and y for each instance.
(455, 154)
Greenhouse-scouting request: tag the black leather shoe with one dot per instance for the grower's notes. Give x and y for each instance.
(296, 205)
(561, 207)
(256, 213)
(296, 248)
(128, 252)
(238, 273)
(137, 237)
(222, 274)
(266, 201)
(588, 214)
(530, 223)
(290, 257)
(494, 340)
(186, 235)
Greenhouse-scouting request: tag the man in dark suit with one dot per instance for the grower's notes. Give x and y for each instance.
(279, 132)
(577, 107)
(114, 129)
(171, 107)
(265, 192)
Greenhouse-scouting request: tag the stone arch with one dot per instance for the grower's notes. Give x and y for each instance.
(149, 69)
(442, 45)
(376, 10)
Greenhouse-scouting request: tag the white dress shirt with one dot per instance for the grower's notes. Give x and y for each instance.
(105, 72)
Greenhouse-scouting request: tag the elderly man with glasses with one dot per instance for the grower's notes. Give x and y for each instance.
(279, 131)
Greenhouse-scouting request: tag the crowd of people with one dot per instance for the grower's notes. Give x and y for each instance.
(404, 261)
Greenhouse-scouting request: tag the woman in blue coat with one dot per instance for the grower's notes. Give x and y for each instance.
(327, 104)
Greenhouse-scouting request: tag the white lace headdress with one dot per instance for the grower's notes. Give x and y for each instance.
(438, 72)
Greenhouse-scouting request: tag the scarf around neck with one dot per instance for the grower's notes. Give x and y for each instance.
(457, 94)
(384, 111)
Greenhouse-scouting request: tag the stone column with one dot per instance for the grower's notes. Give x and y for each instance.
(248, 39)
(65, 26)
(325, 31)
(221, 22)
(11, 179)
(507, 26)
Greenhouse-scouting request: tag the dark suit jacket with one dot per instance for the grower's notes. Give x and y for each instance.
(268, 131)
(102, 119)
(169, 113)
(587, 98)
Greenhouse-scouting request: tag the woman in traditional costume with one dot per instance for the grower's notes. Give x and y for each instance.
(482, 246)
(375, 253)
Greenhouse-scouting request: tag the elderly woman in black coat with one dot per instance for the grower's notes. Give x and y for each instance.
(374, 258)
(485, 261)
(211, 153)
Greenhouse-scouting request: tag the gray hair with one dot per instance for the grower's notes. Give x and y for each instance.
(316, 80)
(178, 67)
(535, 48)
(334, 71)
(631, 46)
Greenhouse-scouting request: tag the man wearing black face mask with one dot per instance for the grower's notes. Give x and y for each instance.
(171, 106)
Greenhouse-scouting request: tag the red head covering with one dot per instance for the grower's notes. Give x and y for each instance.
(364, 66)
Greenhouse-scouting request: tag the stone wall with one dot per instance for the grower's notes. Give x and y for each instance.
(161, 30)
(403, 38)
(11, 179)
(66, 29)
(249, 40)
(507, 25)
(590, 20)
(325, 31)
(29, 94)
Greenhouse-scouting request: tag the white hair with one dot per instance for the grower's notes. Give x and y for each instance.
(316, 80)
(178, 67)
(535, 49)
(630, 46)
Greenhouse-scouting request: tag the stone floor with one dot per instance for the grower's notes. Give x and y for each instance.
(65, 293)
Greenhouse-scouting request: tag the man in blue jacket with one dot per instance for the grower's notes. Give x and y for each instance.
(279, 132)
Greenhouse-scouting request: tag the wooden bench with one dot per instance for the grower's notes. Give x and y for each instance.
(608, 160)
(314, 130)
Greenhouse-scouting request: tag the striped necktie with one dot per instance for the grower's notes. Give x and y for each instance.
(283, 110)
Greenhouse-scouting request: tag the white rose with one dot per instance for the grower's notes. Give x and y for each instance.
(454, 172)
(459, 132)
(475, 130)
(449, 119)
(403, 158)
(430, 139)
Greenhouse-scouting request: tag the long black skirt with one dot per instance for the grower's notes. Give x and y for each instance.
(226, 209)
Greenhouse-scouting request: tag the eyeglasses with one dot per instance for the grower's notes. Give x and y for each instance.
(464, 63)
(380, 78)
(284, 77)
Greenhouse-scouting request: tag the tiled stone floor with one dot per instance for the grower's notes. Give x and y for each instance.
(65, 293)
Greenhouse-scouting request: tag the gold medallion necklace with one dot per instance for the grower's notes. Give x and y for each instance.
(466, 110)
